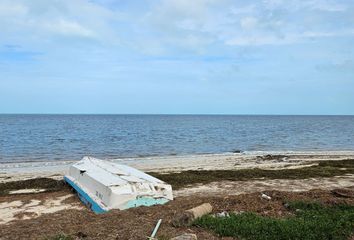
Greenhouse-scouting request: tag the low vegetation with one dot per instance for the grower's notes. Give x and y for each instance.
(41, 183)
(311, 221)
(323, 169)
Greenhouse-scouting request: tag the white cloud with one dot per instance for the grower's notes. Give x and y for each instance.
(243, 9)
(290, 38)
(273, 3)
(326, 5)
(7, 9)
(260, 40)
(239, 23)
(25, 20)
(248, 22)
(295, 5)
(335, 33)
(66, 27)
(175, 25)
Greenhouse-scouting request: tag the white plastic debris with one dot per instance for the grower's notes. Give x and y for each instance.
(266, 196)
(223, 214)
(153, 234)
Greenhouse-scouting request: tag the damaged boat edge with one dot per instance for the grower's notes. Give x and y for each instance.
(85, 198)
(145, 201)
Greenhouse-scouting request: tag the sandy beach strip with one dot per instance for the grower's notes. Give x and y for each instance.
(246, 160)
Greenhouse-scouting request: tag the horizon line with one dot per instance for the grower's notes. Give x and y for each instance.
(183, 114)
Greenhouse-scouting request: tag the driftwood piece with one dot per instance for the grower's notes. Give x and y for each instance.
(345, 193)
(188, 216)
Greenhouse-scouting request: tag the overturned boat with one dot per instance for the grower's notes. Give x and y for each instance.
(104, 185)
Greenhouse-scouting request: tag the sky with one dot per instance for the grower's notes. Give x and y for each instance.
(177, 56)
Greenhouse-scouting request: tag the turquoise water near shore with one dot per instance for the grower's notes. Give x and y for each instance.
(66, 137)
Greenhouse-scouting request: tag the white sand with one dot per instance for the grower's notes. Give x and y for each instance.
(31, 190)
(16, 210)
(21, 171)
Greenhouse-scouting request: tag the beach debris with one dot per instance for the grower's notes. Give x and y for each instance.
(222, 214)
(345, 193)
(153, 234)
(265, 196)
(186, 236)
(269, 157)
(238, 212)
(236, 151)
(188, 216)
(103, 185)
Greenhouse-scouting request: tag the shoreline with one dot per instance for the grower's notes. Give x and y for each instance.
(179, 163)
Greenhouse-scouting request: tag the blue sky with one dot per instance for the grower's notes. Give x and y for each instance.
(177, 56)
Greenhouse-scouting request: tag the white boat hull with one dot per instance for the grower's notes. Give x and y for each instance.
(104, 185)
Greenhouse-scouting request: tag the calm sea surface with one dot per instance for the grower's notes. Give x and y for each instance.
(70, 137)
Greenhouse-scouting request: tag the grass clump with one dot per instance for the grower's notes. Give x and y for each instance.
(311, 221)
(323, 169)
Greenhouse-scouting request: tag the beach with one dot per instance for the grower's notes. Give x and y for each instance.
(253, 159)
(177, 120)
(231, 181)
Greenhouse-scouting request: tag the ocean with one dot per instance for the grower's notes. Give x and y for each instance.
(26, 138)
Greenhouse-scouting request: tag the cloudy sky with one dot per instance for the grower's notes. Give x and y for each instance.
(177, 56)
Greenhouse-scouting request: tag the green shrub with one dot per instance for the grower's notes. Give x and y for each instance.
(311, 221)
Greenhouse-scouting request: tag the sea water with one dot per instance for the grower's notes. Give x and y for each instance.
(70, 137)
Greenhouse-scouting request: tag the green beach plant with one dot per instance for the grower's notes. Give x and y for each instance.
(311, 221)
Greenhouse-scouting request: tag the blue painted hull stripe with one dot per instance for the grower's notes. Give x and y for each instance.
(85, 198)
